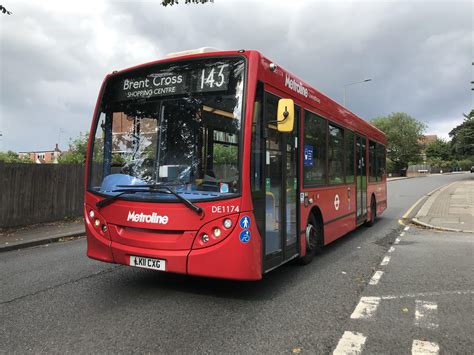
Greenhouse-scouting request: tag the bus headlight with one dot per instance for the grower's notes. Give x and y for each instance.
(215, 231)
(91, 214)
(227, 223)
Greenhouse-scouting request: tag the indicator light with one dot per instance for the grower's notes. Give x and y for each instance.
(205, 238)
(217, 232)
(97, 222)
(91, 214)
(227, 223)
(104, 228)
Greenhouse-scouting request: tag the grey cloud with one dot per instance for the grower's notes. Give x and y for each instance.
(418, 56)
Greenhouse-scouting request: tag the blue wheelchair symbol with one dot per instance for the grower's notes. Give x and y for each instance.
(245, 222)
(245, 236)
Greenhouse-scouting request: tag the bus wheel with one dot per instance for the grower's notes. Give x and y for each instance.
(313, 234)
(373, 213)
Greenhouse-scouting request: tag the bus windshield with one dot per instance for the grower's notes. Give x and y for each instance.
(173, 125)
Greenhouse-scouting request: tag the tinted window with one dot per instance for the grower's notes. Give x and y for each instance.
(314, 150)
(349, 139)
(372, 167)
(336, 155)
(380, 161)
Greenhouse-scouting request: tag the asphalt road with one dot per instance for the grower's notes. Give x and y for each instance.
(54, 299)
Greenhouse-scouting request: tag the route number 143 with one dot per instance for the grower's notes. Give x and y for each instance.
(214, 78)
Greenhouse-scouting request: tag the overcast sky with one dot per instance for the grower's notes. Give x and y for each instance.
(54, 55)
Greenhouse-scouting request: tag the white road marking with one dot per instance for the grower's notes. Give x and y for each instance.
(426, 314)
(391, 250)
(406, 228)
(385, 260)
(366, 308)
(396, 241)
(350, 343)
(402, 234)
(420, 347)
(428, 294)
(375, 279)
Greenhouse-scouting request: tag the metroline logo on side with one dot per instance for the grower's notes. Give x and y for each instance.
(147, 218)
(295, 86)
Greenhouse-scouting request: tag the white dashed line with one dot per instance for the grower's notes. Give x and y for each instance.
(385, 260)
(366, 308)
(406, 228)
(350, 343)
(396, 241)
(426, 314)
(391, 250)
(375, 279)
(428, 294)
(420, 347)
(402, 234)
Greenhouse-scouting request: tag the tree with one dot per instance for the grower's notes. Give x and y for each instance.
(438, 149)
(404, 134)
(77, 151)
(462, 138)
(12, 157)
(173, 2)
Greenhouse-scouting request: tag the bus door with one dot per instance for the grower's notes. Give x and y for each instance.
(361, 174)
(281, 203)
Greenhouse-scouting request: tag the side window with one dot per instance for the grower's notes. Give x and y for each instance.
(372, 164)
(314, 150)
(349, 142)
(380, 161)
(336, 155)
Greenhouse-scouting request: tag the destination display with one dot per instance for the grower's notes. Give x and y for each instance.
(214, 77)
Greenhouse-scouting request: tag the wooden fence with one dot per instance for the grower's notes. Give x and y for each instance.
(37, 193)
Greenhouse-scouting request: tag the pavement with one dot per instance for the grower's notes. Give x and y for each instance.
(450, 208)
(12, 239)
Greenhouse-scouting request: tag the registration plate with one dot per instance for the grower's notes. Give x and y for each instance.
(148, 263)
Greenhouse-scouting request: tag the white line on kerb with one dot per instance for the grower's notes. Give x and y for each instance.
(350, 343)
(420, 347)
(396, 241)
(376, 278)
(406, 228)
(385, 260)
(366, 308)
(391, 250)
(402, 234)
(426, 314)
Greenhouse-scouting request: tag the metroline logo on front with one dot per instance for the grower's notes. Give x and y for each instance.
(147, 218)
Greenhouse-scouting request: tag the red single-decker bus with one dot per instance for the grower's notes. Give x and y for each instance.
(223, 164)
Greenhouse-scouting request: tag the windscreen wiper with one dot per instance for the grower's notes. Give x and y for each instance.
(184, 200)
(107, 201)
(154, 188)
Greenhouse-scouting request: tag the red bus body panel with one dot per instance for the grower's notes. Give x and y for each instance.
(178, 240)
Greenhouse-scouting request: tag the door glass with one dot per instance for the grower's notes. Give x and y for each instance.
(273, 180)
(361, 178)
(291, 183)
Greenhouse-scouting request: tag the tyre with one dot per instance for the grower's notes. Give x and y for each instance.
(313, 240)
(373, 213)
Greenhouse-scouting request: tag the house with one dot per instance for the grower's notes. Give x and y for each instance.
(42, 156)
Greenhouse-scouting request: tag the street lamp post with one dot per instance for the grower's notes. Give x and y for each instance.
(345, 86)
